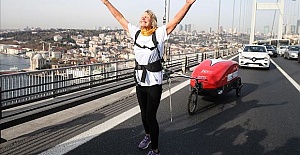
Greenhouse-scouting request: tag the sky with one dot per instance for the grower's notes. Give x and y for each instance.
(91, 14)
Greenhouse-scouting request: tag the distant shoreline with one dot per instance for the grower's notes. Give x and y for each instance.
(20, 56)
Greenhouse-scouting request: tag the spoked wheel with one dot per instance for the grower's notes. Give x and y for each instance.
(192, 104)
(239, 88)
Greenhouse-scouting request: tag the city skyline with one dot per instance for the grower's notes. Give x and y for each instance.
(18, 14)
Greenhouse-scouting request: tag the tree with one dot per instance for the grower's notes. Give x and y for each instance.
(54, 60)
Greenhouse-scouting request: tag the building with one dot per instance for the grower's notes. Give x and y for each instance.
(221, 29)
(9, 49)
(293, 29)
(56, 55)
(37, 62)
(57, 38)
(266, 29)
(180, 27)
(188, 28)
(16, 50)
(232, 30)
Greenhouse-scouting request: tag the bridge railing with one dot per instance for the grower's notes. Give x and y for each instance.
(22, 88)
(26, 87)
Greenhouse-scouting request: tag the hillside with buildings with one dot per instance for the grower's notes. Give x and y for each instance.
(56, 48)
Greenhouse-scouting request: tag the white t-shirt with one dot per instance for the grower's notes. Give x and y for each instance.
(144, 55)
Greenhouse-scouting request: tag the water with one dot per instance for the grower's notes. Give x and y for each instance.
(9, 61)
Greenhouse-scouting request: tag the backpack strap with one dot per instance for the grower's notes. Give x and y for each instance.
(155, 42)
(136, 36)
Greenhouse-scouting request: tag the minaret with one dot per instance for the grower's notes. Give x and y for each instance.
(49, 48)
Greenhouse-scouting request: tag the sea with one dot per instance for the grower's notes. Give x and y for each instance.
(8, 62)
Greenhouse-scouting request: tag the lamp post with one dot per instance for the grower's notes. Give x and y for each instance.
(219, 26)
(166, 19)
(167, 10)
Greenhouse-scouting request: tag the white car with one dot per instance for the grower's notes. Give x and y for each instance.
(292, 52)
(254, 56)
(281, 50)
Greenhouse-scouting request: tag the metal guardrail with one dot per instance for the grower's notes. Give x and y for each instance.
(23, 88)
(27, 87)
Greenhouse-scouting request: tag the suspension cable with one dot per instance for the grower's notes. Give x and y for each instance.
(272, 29)
(240, 20)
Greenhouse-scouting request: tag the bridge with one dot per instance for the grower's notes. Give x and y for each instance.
(29, 95)
(264, 120)
(92, 109)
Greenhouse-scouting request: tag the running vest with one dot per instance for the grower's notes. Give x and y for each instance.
(152, 67)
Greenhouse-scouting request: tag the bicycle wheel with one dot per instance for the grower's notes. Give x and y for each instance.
(192, 104)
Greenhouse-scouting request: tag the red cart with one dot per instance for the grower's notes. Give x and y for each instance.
(213, 77)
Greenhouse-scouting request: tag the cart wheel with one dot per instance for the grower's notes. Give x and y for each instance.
(238, 89)
(192, 104)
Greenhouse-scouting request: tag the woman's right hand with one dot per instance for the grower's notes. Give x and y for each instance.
(117, 14)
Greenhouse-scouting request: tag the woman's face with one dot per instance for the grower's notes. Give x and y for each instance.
(145, 21)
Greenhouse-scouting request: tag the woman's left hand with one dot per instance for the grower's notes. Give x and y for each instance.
(190, 1)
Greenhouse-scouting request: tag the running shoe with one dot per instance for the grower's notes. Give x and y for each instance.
(145, 142)
(151, 152)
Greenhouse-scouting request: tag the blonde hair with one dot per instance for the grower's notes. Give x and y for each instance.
(153, 18)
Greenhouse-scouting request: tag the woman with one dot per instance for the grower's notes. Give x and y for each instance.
(148, 70)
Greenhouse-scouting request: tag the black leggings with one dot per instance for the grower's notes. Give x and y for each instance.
(149, 99)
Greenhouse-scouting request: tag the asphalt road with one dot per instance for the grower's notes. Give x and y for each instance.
(265, 119)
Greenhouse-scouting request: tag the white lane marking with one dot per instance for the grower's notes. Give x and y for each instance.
(88, 135)
(296, 85)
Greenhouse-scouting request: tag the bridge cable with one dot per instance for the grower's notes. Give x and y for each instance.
(272, 29)
(239, 30)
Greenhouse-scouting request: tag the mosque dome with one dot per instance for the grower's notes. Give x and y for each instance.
(38, 56)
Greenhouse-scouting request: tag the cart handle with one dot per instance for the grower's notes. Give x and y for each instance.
(185, 76)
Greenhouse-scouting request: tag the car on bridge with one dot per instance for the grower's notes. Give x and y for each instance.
(271, 50)
(292, 52)
(281, 50)
(299, 56)
(254, 56)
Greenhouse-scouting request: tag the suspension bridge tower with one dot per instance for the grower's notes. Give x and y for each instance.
(267, 6)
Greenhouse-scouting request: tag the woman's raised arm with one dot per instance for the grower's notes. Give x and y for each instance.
(171, 25)
(117, 14)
